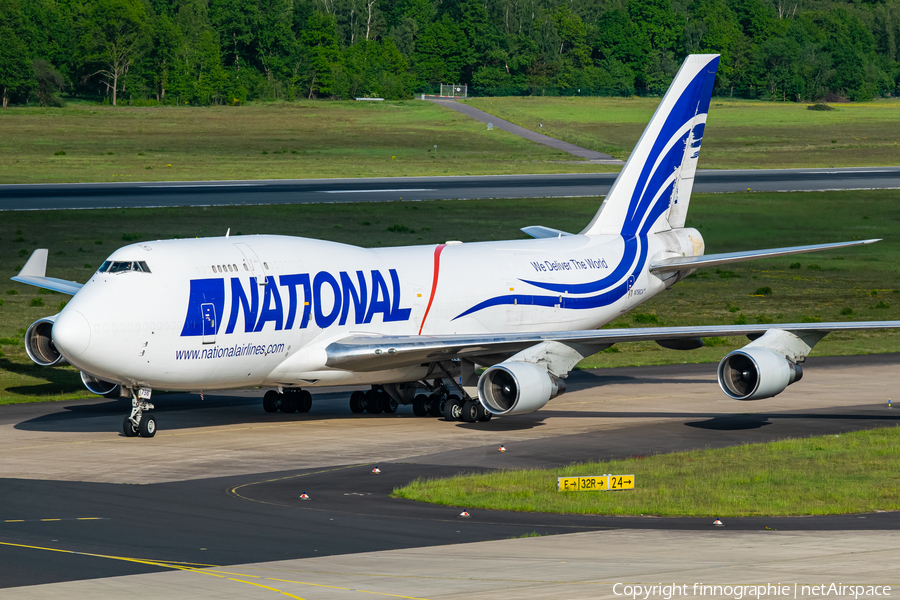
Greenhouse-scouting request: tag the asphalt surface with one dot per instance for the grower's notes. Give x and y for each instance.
(539, 138)
(260, 517)
(301, 191)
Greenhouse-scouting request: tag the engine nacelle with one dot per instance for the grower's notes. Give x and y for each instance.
(755, 373)
(100, 387)
(39, 344)
(514, 388)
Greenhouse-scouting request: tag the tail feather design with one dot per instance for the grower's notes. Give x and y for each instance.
(659, 174)
(650, 195)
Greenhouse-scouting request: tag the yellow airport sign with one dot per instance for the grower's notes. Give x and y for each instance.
(621, 482)
(599, 483)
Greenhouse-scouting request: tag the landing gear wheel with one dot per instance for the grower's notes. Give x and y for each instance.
(147, 426)
(304, 401)
(269, 401)
(358, 401)
(419, 408)
(434, 405)
(485, 414)
(374, 403)
(129, 429)
(287, 403)
(390, 405)
(470, 411)
(452, 408)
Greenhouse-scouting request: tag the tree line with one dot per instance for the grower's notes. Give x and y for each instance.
(203, 52)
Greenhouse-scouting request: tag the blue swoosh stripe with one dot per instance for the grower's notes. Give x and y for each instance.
(693, 101)
(604, 299)
(593, 286)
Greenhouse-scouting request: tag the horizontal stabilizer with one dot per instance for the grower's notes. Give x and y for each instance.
(670, 265)
(34, 273)
(539, 231)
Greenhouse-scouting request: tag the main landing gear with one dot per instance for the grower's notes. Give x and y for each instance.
(440, 403)
(453, 408)
(139, 424)
(374, 401)
(290, 401)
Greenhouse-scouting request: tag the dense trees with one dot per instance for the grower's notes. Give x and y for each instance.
(232, 51)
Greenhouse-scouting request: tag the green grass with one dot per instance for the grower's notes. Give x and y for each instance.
(851, 473)
(845, 279)
(858, 279)
(739, 133)
(304, 139)
(310, 138)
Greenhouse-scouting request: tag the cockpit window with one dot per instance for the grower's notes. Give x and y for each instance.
(119, 266)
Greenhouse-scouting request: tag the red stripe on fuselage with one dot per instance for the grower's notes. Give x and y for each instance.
(437, 271)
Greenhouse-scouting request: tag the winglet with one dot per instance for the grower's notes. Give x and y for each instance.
(36, 265)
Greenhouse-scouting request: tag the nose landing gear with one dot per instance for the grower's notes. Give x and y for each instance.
(139, 424)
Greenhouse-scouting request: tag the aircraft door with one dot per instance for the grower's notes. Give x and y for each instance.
(418, 305)
(252, 263)
(208, 318)
(520, 312)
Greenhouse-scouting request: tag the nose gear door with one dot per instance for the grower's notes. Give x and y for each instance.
(208, 318)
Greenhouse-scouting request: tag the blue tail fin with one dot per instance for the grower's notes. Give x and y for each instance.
(654, 188)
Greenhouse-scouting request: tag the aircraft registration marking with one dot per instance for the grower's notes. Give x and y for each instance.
(600, 483)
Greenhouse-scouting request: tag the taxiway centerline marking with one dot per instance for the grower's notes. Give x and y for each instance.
(213, 573)
(234, 490)
(62, 519)
(376, 191)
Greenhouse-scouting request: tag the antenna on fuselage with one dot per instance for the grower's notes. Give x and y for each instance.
(227, 233)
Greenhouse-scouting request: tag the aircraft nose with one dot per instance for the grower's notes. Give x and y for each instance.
(71, 333)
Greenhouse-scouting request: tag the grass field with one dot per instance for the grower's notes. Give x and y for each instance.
(739, 133)
(304, 139)
(851, 473)
(308, 139)
(855, 284)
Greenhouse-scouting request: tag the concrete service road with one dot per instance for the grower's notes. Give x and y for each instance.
(87, 513)
(300, 191)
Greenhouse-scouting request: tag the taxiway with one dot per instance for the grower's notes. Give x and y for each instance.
(220, 486)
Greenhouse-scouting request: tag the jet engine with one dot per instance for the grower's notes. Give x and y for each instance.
(97, 386)
(517, 387)
(39, 344)
(753, 373)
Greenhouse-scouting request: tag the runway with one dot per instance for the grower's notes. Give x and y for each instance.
(301, 191)
(221, 483)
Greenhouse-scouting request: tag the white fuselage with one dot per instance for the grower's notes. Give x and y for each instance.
(201, 319)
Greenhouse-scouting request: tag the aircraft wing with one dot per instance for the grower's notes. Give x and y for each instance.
(35, 273)
(710, 260)
(374, 353)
